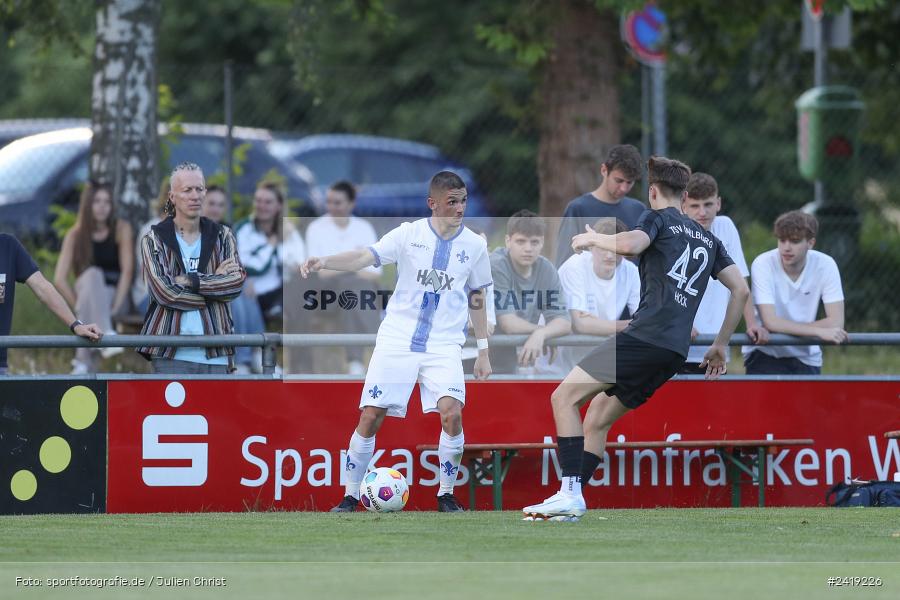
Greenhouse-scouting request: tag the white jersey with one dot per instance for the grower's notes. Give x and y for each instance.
(429, 307)
(795, 300)
(711, 312)
(604, 298)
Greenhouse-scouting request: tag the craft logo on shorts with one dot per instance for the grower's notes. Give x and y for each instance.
(2, 288)
(174, 463)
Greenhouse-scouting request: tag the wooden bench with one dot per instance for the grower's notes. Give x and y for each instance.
(130, 323)
(732, 452)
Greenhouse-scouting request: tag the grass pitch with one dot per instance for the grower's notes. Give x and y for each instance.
(665, 553)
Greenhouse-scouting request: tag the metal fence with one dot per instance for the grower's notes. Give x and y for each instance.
(270, 342)
(733, 127)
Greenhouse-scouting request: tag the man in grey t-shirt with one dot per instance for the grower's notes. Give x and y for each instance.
(619, 171)
(526, 287)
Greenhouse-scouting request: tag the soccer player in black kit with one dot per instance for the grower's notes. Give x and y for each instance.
(677, 258)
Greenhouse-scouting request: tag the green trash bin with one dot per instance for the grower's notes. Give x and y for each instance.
(828, 124)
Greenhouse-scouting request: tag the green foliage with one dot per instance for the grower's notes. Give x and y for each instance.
(529, 49)
(49, 21)
(427, 78)
(756, 238)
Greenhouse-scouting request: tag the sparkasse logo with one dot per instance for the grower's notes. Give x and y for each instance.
(155, 450)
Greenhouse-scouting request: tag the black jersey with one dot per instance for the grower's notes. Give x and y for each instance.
(674, 269)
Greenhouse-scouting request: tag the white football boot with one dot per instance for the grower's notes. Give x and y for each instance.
(557, 505)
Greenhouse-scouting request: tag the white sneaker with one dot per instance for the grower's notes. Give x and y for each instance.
(79, 368)
(559, 504)
(110, 351)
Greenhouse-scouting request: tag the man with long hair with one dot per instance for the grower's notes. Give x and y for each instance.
(193, 271)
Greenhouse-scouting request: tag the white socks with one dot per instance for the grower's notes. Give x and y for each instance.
(450, 451)
(571, 486)
(359, 453)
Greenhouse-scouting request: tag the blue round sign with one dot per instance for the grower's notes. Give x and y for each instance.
(645, 33)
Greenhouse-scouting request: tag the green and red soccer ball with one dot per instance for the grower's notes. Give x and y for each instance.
(384, 490)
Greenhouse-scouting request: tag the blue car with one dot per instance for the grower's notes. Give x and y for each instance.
(391, 175)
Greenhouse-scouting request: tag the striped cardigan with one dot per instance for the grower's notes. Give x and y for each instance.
(209, 293)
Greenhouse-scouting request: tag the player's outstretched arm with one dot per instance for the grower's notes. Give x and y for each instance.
(352, 260)
(52, 299)
(627, 243)
(714, 359)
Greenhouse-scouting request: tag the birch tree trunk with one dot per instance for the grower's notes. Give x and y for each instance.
(579, 112)
(124, 149)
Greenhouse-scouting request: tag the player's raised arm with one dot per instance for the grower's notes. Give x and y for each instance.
(731, 278)
(352, 260)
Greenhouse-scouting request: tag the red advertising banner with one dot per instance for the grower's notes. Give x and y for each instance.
(258, 445)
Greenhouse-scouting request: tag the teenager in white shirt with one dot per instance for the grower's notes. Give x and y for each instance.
(421, 337)
(598, 287)
(335, 232)
(702, 204)
(788, 284)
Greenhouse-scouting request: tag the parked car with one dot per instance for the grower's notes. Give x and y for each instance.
(45, 169)
(14, 129)
(392, 175)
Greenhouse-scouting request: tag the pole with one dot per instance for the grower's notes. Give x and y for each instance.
(819, 64)
(646, 125)
(659, 109)
(229, 140)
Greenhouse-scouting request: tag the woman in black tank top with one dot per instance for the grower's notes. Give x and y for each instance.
(99, 252)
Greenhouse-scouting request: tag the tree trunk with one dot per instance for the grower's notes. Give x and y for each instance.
(579, 112)
(125, 146)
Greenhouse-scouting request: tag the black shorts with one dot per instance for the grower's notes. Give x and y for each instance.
(692, 368)
(635, 368)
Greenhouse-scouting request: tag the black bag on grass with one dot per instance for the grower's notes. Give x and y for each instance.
(864, 493)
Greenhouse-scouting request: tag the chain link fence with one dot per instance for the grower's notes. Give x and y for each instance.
(736, 128)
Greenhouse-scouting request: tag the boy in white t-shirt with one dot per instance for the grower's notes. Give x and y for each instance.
(601, 291)
(442, 272)
(702, 204)
(788, 283)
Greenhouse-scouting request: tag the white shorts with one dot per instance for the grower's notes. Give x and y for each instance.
(393, 373)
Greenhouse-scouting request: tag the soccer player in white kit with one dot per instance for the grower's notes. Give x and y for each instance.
(422, 334)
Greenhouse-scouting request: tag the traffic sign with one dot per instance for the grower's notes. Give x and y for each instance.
(645, 33)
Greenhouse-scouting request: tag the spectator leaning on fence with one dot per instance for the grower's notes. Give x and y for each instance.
(702, 204)
(526, 288)
(193, 271)
(788, 283)
(333, 233)
(601, 291)
(99, 251)
(17, 266)
(619, 171)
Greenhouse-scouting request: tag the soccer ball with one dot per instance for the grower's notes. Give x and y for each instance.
(383, 490)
